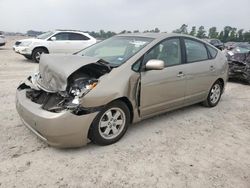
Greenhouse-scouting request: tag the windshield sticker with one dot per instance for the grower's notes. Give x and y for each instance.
(138, 43)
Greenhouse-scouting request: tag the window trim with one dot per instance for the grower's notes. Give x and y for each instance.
(184, 46)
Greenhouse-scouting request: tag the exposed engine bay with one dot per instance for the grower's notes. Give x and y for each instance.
(79, 83)
(239, 66)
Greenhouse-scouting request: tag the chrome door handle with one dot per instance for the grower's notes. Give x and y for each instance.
(180, 74)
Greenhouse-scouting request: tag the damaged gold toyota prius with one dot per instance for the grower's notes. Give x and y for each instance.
(96, 93)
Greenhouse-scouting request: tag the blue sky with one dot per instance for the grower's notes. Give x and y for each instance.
(117, 15)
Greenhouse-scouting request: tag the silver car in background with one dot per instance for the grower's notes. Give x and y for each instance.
(96, 93)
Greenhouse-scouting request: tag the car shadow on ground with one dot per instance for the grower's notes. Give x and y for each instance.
(238, 81)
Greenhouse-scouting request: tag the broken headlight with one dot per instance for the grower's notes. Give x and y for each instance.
(81, 87)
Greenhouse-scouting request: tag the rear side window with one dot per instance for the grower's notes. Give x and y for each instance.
(62, 36)
(77, 36)
(196, 51)
(212, 51)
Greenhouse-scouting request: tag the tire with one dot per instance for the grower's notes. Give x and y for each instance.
(28, 57)
(37, 53)
(214, 95)
(104, 127)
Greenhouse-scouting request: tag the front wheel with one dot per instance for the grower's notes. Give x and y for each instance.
(214, 95)
(110, 124)
(36, 54)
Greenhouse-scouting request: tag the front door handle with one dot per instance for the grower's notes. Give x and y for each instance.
(180, 74)
(212, 68)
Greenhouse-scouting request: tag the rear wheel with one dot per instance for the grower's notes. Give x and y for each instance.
(110, 124)
(36, 54)
(214, 95)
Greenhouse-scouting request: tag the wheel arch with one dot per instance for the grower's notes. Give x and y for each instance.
(129, 105)
(43, 47)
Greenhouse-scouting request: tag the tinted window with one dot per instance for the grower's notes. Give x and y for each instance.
(116, 50)
(77, 36)
(62, 36)
(169, 51)
(212, 51)
(196, 51)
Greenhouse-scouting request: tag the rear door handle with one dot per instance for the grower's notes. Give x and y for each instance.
(180, 74)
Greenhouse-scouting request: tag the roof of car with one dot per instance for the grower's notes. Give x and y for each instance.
(153, 35)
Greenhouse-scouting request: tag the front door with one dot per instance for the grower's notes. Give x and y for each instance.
(163, 89)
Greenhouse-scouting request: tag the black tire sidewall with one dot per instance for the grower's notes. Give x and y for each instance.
(94, 134)
(34, 53)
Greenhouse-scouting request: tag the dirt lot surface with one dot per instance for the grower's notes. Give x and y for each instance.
(190, 147)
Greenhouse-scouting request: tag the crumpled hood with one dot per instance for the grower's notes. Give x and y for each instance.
(54, 70)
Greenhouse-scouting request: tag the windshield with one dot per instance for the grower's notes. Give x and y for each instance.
(116, 50)
(45, 35)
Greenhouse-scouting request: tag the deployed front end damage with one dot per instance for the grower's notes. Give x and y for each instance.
(239, 66)
(56, 89)
(50, 100)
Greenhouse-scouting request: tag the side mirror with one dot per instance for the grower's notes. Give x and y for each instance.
(155, 64)
(53, 38)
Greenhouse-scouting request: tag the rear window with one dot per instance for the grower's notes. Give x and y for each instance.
(213, 52)
(196, 51)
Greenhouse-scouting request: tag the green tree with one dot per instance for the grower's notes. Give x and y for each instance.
(227, 30)
(246, 36)
(233, 34)
(240, 37)
(201, 33)
(182, 29)
(221, 35)
(212, 33)
(193, 31)
(157, 30)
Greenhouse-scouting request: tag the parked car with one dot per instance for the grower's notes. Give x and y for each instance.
(216, 42)
(96, 93)
(239, 62)
(2, 39)
(59, 41)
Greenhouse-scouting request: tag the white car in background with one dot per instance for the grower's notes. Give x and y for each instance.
(59, 41)
(2, 39)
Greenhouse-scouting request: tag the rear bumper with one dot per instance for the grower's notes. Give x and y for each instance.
(22, 50)
(62, 129)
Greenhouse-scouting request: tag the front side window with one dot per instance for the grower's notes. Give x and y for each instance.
(62, 36)
(195, 51)
(116, 50)
(168, 51)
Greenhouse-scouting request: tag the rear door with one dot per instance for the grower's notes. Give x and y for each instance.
(163, 89)
(199, 70)
(78, 41)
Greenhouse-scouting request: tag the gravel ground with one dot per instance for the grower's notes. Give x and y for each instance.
(190, 147)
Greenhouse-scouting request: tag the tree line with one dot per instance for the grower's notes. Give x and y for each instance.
(228, 33)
